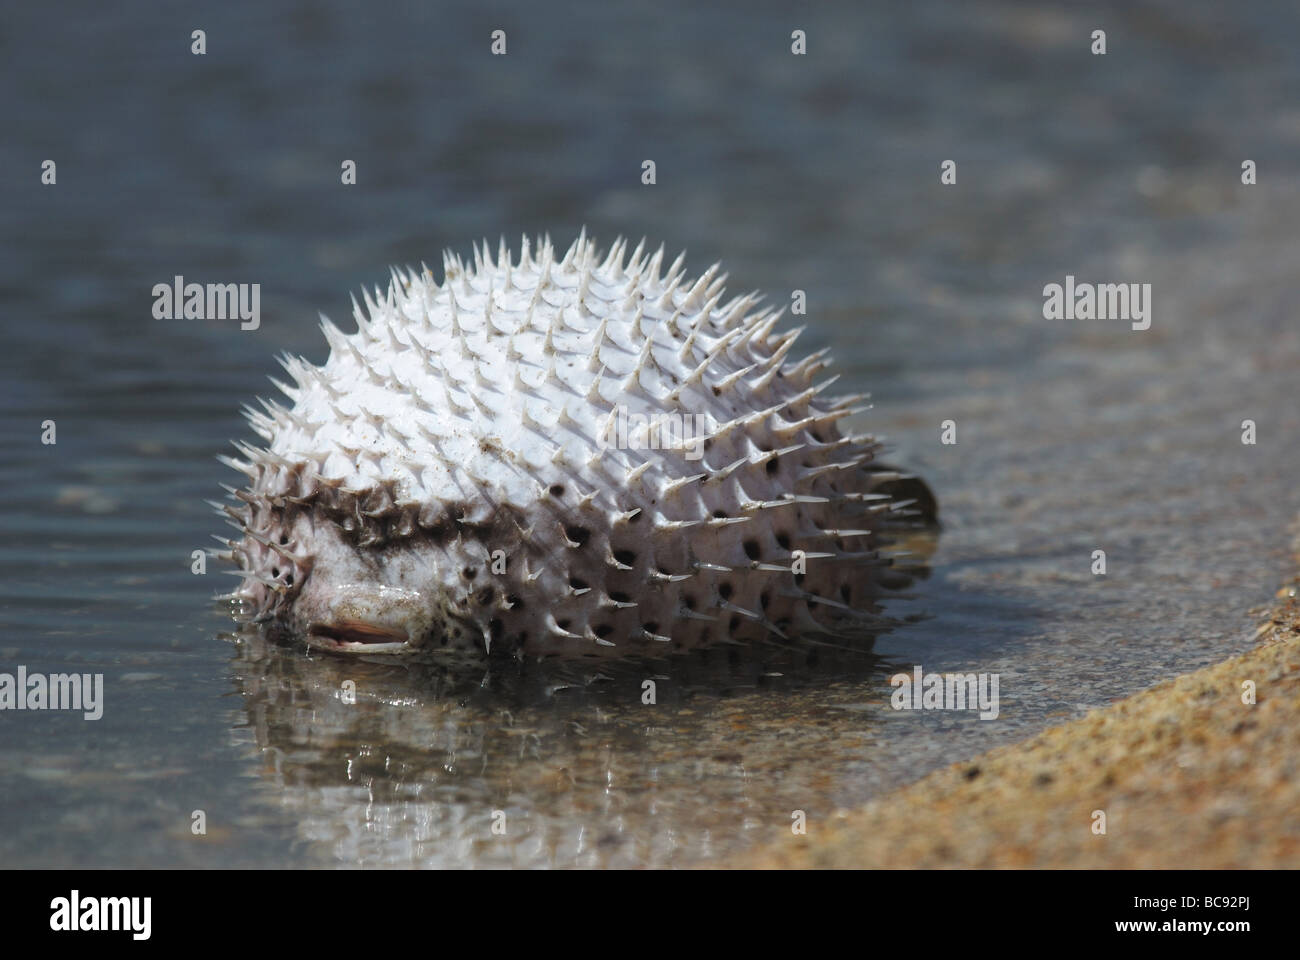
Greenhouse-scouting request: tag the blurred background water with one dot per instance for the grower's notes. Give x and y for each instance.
(816, 172)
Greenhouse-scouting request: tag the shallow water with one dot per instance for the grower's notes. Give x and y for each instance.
(818, 173)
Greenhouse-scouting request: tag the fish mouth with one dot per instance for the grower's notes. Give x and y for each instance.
(358, 636)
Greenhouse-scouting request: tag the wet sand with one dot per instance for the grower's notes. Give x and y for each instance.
(1187, 775)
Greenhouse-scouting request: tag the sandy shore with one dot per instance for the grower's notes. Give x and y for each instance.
(1186, 774)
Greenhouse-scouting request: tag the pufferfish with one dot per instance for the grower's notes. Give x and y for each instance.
(577, 455)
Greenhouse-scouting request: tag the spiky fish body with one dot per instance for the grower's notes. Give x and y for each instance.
(574, 456)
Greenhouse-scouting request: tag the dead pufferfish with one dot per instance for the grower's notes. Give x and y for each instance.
(559, 457)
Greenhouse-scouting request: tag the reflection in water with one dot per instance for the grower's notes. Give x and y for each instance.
(567, 759)
(562, 763)
(585, 773)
